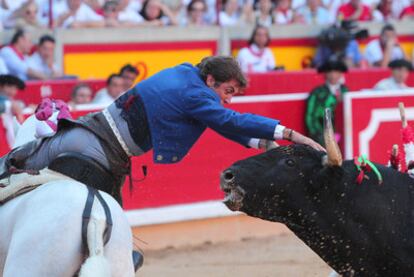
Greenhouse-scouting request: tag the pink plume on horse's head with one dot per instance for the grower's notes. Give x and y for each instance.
(44, 110)
(48, 114)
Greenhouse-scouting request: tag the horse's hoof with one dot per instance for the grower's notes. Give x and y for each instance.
(137, 259)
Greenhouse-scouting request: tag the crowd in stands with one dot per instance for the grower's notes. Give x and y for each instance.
(116, 13)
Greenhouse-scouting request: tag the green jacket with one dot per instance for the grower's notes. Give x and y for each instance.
(319, 99)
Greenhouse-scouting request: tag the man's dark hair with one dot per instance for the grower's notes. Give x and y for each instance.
(46, 38)
(111, 77)
(251, 40)
(387, 27)
(129, 68)
(17, 35)
(193, 2)
(223, 69)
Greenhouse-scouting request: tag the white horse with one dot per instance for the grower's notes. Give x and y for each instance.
(41, 229)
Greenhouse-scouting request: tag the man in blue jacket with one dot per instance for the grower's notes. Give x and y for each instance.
(168, 112)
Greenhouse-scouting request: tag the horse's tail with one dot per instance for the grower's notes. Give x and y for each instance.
(96, 264)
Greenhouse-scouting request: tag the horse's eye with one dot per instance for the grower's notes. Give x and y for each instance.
(290, 162)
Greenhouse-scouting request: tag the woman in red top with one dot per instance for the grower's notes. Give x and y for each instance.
(355, 10)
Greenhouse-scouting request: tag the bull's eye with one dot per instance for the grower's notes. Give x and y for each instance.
(290, 162)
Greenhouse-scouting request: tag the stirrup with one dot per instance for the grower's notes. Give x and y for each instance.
(137, 259)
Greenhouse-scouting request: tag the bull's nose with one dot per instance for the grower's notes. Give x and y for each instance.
(228, 176)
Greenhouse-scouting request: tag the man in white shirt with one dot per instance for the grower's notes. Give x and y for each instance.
(43, 59)
(380, 52)
(114, 88)
(76, 14)
(400, 70)
(15, 57)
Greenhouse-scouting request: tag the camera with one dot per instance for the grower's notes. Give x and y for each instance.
(337, 37)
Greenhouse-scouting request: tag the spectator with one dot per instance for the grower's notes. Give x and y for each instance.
(257, 57)
(24, 17)
(114, 88)
(314, 13)
(81, 94)
(380, 52)
(15, 57)
(129, 12)
(400, 70)
(230, 15)
(325, 96)
(196, 13)
(408, 12)
(383, 11)
(76, 14)
(263, 15)
(9, 107)
(283, 12)
(157, 14)
(111, 14)
(43, 60)
(355, 10)
(332, 6)
(129, 74)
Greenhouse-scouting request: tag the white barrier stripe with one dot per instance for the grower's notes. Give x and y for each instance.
(177, 213)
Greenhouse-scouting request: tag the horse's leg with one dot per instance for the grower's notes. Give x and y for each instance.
(118, 250)
(46, 239)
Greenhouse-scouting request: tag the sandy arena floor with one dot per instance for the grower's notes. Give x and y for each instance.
(280, 256)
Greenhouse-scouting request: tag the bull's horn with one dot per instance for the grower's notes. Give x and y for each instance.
(332, 148)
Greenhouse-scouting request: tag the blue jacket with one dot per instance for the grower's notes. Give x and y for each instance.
(179, 106)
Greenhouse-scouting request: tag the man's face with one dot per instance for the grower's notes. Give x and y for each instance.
(400, 74)
(111, 12)
(116, 87)
(9, 90)
(388, 35)
(83, 96)
(46, 50)
(334, 77)
(225, 90)
(129, 79)
(26, 43)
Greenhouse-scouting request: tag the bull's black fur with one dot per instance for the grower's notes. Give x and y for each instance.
(362, 229)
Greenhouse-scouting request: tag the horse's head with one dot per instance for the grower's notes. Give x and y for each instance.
(43, 123)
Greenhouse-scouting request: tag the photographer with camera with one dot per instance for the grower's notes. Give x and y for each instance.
(380, 52)
(341, 44)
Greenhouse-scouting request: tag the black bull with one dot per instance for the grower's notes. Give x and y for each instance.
(364, 229)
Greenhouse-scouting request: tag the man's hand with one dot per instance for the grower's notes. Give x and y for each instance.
(296, 137)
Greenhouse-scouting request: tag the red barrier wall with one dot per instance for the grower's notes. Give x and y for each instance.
(266, 83)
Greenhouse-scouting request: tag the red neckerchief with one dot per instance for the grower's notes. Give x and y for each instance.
(284, 12)
(255, 53)
(18, 53)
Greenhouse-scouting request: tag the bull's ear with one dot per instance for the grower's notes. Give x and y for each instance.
(327, 176)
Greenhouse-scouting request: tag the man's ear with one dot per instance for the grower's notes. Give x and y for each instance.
(210, 81)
